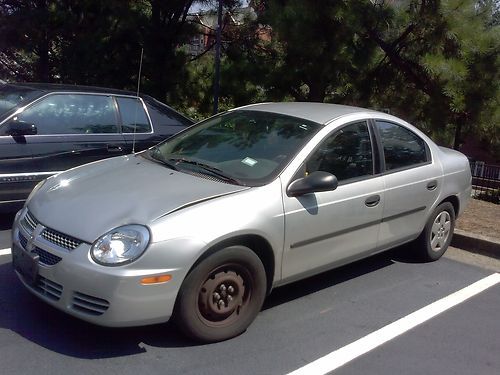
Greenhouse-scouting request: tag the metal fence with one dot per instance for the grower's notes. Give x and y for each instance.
(485, 181)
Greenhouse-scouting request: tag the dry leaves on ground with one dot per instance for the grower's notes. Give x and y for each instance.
(482, 218)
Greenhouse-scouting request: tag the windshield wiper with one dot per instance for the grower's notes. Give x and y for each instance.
(209, 168)
(157, 156)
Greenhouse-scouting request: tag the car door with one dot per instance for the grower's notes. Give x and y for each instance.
(412, 180)
(17, 175)
(73, 129)
(333, 227)
(16, 169)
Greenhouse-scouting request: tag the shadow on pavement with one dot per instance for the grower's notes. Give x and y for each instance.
(405, 254)
(24, 314)
(6, 220)
(327, 279)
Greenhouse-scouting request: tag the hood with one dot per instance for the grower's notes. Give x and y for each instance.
(88, 201)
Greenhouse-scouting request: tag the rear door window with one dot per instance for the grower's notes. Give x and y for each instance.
(72, 114)
(133, 115)
(402, 147)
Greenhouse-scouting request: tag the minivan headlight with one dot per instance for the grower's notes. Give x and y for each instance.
(121, 245)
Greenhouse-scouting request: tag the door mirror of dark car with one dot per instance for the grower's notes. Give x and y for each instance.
(20, 128)
(313, 183)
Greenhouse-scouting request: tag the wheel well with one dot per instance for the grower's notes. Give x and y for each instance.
(257, 244)
(454, 201)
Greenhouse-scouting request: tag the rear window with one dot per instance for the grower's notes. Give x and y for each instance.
(165, 116)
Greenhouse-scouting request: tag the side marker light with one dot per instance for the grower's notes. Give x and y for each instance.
(156, 279)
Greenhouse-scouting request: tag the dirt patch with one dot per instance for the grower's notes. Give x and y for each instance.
(482, 218)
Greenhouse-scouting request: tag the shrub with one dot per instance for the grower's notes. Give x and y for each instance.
(492, 196)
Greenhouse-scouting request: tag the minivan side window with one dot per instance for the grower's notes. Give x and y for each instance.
(347, 153)
(133, 115)
(72, 114)
(402, 147)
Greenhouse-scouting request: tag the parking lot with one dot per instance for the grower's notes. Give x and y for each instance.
(299, 324)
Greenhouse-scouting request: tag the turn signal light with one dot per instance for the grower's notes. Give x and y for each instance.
(156, 279)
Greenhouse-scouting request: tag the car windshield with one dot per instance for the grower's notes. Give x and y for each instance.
(245, 147)
(11, 96)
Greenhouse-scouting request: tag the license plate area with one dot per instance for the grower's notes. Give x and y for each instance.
(25, 263)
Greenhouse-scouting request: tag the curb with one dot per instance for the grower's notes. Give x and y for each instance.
(476, 243)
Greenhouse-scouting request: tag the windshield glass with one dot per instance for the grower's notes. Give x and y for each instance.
(247, 147)
(11, 96)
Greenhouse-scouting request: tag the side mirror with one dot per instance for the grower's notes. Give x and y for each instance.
(315, 182)
(20, 128)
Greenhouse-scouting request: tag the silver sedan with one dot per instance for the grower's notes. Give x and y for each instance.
(203, 226)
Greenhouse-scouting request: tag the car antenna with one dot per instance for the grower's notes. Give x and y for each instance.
(137, 95)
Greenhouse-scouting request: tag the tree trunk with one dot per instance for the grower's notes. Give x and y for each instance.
(316, 92)
(43, 65)
(157, 52)
(42, 70)
(458, 132)
(167, 20)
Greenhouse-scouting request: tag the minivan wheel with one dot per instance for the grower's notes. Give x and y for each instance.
(222, 295)
(436, 236)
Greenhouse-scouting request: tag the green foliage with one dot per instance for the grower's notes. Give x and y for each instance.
(448, 51)
(94, 42)
(195, 95)
(320, 55)
(435, 63)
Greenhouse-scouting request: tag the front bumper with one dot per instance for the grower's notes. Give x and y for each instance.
(109, 296)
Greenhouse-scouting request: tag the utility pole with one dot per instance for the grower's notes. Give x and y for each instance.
(217, 59)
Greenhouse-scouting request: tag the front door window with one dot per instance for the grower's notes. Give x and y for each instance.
(72, 114)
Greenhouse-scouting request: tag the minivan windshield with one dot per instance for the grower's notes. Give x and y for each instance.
(11, 96)
(244, 147)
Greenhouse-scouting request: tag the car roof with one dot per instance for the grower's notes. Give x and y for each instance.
(49, 87)
(321, 113)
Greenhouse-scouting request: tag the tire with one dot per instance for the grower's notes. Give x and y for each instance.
(436, 236)
(222, 295)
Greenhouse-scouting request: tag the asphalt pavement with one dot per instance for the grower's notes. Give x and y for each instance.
(299, 324)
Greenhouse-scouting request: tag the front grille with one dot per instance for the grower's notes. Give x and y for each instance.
(48, 288)
(88, 304)
(60, 239)
(23, 240)
(29, 222)
(46, 258)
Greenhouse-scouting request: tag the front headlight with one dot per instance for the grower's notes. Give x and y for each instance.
(121, 245)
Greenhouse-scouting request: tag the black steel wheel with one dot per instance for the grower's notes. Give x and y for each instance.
(436, 236)
(222, 295)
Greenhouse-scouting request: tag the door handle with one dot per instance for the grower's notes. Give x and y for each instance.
(115, 148)
(372, 201)
(432, 185)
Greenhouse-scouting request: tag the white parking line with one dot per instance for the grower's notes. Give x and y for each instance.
(375, 339)
(4, 251)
